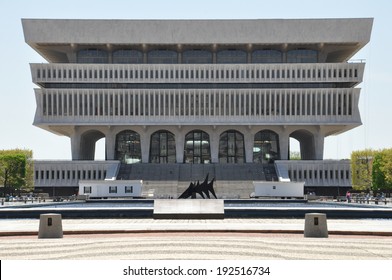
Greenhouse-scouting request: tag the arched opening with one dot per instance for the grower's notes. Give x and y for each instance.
(128, 149)
(92, 56)
(266, 147)
(100, 149)
(231, 147)
(294, 149)
(88, 142)
(162, 147)
(306, 144)
(197, 147)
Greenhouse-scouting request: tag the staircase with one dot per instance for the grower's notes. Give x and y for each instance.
(270, 172)
(170, 180)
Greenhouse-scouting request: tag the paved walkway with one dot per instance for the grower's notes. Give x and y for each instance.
(196, 239)
(75, 226)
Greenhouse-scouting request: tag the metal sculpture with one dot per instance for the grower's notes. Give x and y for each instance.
(201, 189)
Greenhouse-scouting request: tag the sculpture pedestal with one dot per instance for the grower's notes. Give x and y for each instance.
(189, 209)
(316, 225)
(50, 226)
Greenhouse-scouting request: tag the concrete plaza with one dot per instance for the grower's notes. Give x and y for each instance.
(197, 239)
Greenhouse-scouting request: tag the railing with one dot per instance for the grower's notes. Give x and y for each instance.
(317, 173)
(212, 106)
(197, 73)
(68, 173)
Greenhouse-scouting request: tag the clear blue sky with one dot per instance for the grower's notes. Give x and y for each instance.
(17, 102)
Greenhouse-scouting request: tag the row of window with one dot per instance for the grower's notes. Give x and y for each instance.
(203, 74)
(160, 56)
(295, 175)
(111, 189)
(197, 147)
(298, 175)
(70, 174)
(208, 103)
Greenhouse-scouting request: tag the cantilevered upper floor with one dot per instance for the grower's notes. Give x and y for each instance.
(187, 41)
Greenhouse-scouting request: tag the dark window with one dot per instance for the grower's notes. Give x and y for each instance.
(128, 149)
(162, 57)
(266, 147)
(197, 147)
(231, 56)
(92, 56)
(127, 57)
(196, 56)
(302, 56)
(267, 56)
(231, 147)
(112, 189)
(87, 189)
(163, 147)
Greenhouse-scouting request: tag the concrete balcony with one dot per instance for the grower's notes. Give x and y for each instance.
(335, 106)
(198, 73)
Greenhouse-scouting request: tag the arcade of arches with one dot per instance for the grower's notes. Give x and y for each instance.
(199, 146)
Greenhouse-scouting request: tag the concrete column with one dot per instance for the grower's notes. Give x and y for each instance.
(249, 143)
(319, 146)
(284, 142)
(110, 145)
(72, 54)
(75, 145)
(179, 56)
(284, 53)
(214, 146)
(180, 141)
(145, 56)
(110, 56)
(249, 56)
(145, 139)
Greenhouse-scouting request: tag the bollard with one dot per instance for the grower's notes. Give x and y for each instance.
(316, 225)
(2, 202)
(50, 226)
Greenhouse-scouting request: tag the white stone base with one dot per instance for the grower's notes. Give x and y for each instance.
(189, 209)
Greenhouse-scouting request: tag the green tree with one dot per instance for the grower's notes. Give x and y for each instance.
(382, 170)
(295, 155)
(29, 178)
(361, 169)
(16, 171)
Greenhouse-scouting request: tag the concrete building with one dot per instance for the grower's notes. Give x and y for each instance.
(177, 99)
